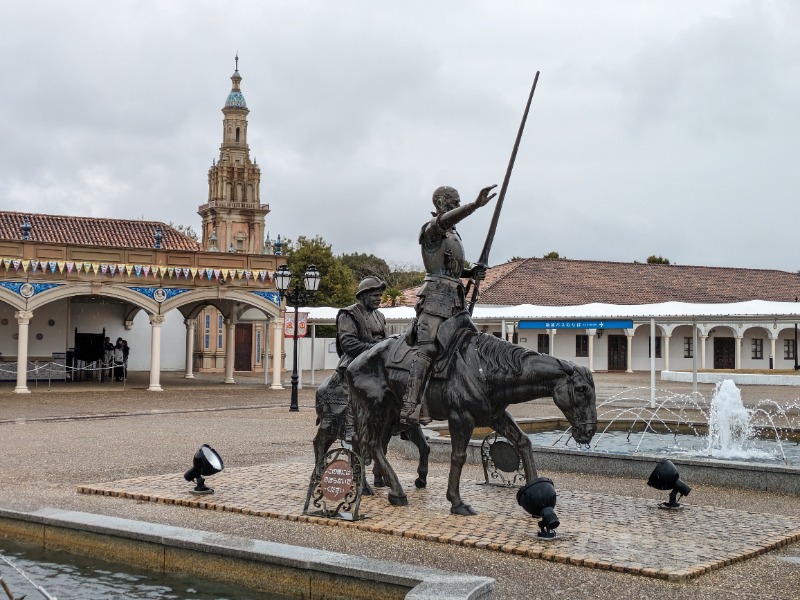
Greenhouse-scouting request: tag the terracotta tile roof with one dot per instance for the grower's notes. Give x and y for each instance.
(409, 296)
(564, 282)
(571, 282)
(62, 229)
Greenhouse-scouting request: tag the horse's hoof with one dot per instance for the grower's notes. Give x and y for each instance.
(420, 483)
(395, 500)
(463, 509)
(378, 482)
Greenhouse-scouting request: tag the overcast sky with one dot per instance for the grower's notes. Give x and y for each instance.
(668, 128)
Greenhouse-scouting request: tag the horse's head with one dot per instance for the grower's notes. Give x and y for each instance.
(574, 395)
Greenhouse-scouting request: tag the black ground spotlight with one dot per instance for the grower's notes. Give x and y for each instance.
(539, 499)
(665, 477)
(206, 462)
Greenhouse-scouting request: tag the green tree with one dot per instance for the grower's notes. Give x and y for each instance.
(337, 286)
(553, 256)
(657, 260)
(366, 265)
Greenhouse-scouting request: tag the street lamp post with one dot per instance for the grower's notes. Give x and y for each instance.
(295, 298)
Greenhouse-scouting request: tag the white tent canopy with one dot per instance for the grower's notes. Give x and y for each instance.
(682, 310)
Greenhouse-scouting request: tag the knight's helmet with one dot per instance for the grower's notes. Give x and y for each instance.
(441, 196)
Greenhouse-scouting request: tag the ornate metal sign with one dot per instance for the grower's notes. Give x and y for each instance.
(336, 486)
(501, 460)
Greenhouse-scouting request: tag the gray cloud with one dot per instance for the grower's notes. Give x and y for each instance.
(656, 129)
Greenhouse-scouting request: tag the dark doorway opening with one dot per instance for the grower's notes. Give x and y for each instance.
(724, 353)
(617, 352)
(243, 360)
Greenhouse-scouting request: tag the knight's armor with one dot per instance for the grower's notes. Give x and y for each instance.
(442, 293)
(440, 297)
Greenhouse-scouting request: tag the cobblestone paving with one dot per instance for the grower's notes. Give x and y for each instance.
(619, 533)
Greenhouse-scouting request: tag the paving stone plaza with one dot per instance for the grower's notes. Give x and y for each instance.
(123, 451)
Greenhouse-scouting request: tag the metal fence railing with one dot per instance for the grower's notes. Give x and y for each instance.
(59, 370)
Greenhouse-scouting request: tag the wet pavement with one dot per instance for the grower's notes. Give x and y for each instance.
(726, 543)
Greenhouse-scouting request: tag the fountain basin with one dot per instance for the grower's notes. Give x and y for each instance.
(710, 471)
(290, 570)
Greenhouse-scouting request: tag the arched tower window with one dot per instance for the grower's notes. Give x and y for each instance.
(237, 135)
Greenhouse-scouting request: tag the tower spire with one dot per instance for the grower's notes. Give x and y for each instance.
(237, 61)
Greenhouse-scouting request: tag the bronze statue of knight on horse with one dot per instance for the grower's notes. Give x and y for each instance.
(469, 379)
(444, 369)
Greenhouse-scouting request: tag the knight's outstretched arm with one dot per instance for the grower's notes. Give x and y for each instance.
(458, 214)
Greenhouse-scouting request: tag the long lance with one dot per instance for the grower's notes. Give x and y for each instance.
(483, 261)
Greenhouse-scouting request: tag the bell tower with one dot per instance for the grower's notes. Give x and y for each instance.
(233, 217)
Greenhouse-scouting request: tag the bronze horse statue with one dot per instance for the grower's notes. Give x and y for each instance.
(474, 382)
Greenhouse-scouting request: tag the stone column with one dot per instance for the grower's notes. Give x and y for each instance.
(738, 364)
(156, 321)
(23, 321)
(772, 352)
(230, 350)
(703, 339)
(591, 352)
(666, 352)
(629, 358)
(190, 325)
(552, 333)
(277, 348)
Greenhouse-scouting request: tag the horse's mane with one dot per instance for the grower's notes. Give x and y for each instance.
(501, 355)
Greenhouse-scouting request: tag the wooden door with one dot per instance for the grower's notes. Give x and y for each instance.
(243, 360)
(724, 353)
(617, 352)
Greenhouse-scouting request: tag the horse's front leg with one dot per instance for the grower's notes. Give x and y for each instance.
(461, 428)
(505, 425)
(416, 437)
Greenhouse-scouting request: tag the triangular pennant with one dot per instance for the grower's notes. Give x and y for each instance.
(53, 266)
(192, 271)
(113, 269)
(70, 266)
(95, 268)
(138, 269)
(217, 273)
(34, 266)
(16, 264)
(103, 268)
(87, 267)
(146, 270)
(262, 275)
(25, 265)
(170, 271)
(248, 275)
(209, 273)
(7, 263)
(225, 273)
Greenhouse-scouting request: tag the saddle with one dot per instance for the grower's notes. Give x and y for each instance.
(449, 336)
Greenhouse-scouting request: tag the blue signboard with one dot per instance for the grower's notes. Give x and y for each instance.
(577, 324)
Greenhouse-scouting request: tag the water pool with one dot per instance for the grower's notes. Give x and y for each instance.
(68, 576)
